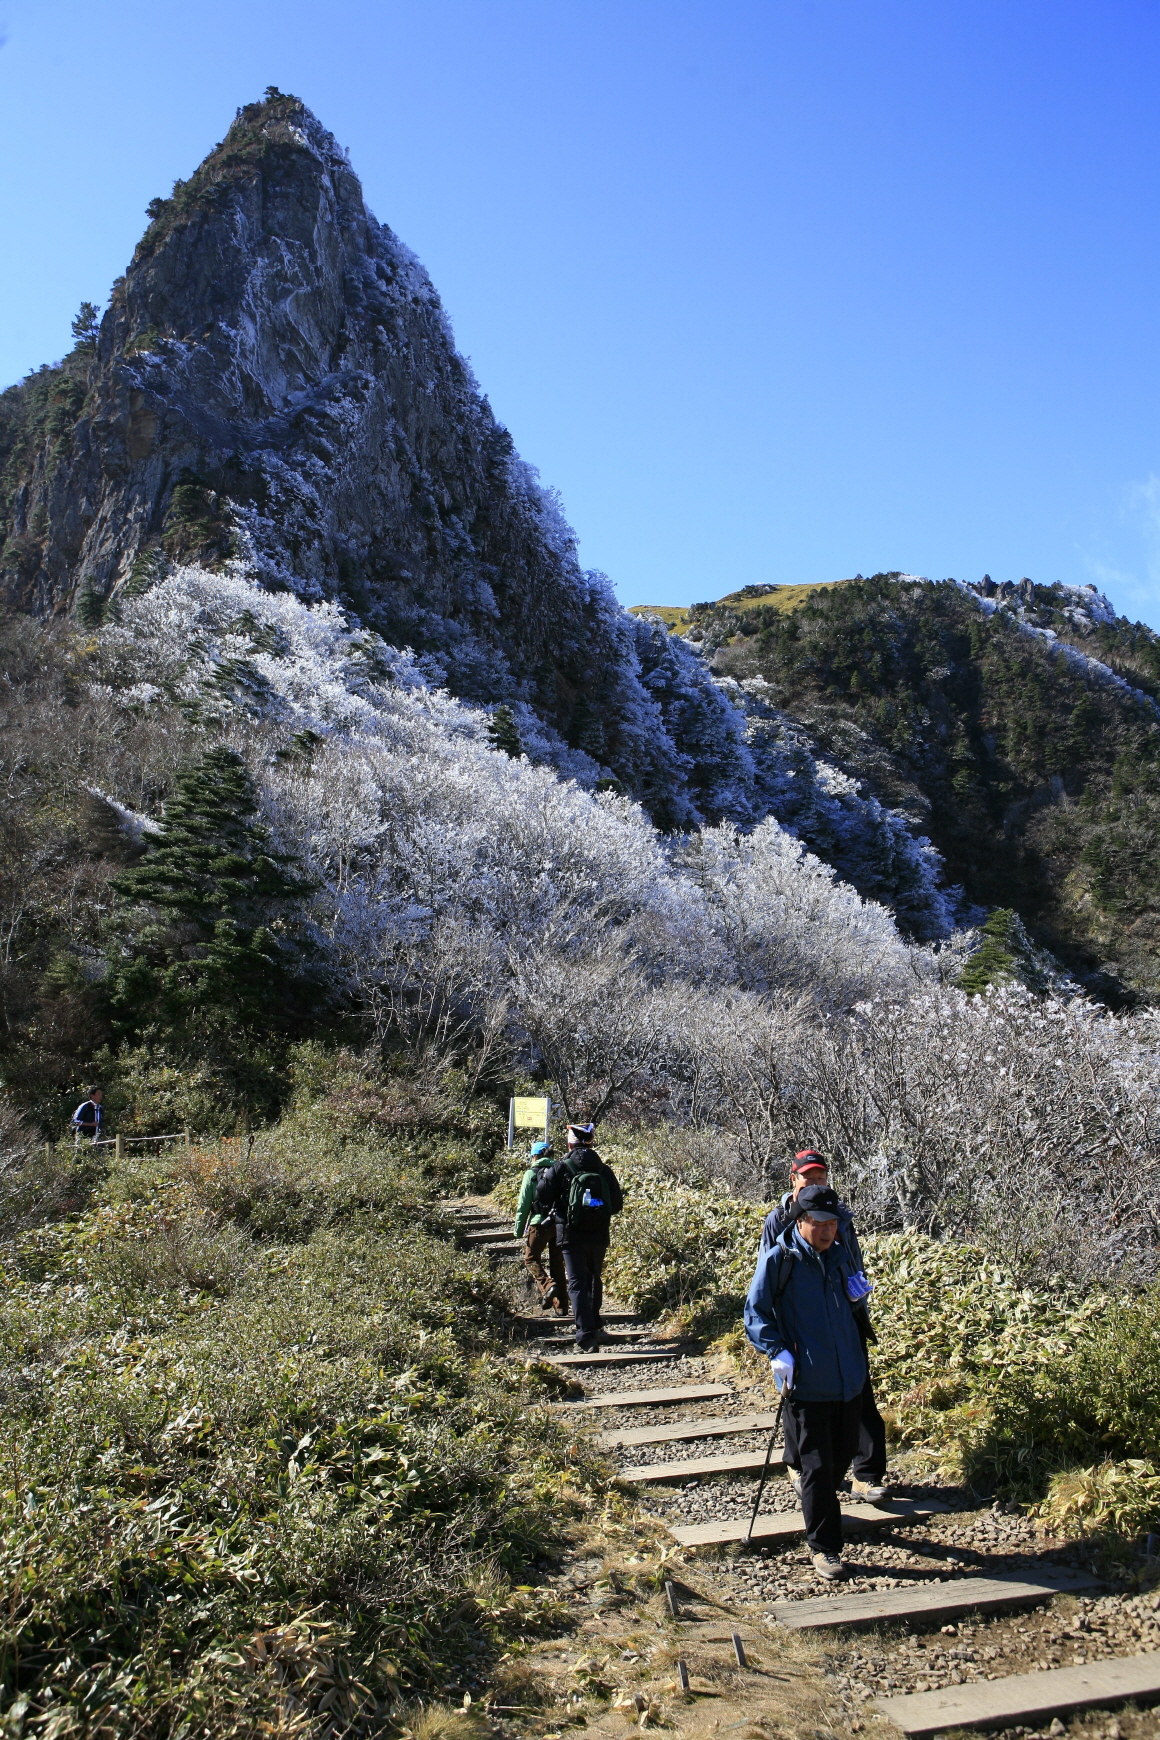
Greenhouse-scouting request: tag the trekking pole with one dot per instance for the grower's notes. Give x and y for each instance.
(765, 1470)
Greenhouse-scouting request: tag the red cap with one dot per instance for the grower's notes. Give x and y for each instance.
(808, 1160)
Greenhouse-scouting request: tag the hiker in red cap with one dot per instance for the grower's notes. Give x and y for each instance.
(868, 1474)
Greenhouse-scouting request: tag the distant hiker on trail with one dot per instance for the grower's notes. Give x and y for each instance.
(552, 1282)
(799, 1314)
(868, 1475)
(582, 1194)
(88, 1117)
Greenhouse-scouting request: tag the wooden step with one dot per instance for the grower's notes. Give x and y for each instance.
(500, 1235)
(608, 1334)
(925, 1600)
(652, 1398)
(746, 1461)
(1023, 1697)
(641, 1356)
(724, 1426)
(547, 1322)
(789, 1522)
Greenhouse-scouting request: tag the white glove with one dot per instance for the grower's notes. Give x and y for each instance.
(781, 1365)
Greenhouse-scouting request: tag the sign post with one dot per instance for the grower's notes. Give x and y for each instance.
(528, 1113)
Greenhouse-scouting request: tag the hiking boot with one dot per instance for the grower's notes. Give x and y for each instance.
(868, 1489)
(829, 1566)
(588, 1343)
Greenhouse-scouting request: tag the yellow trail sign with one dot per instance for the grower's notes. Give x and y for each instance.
(528, 1113)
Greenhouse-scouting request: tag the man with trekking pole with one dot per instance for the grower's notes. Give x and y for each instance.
(582, 1195)
(799, 1313)
(868, 1474)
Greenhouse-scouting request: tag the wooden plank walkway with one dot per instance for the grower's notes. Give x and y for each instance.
(1002, 1703)
(933, 1600)
(652, 1398)
(725, 1425)
(790, 1522)
(744, 1462)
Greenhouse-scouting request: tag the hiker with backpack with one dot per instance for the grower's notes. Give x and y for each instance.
(88, 1117)
(582, 1195)
(799, 1314)
(868, 1474)
(551, 1283)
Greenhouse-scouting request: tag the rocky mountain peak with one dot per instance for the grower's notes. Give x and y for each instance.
(275, 383)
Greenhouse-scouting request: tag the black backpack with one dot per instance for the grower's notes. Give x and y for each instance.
(594, 1195)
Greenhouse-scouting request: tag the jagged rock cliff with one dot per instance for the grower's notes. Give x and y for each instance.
(275, 379)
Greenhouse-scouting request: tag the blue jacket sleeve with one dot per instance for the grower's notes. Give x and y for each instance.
(761, 1324)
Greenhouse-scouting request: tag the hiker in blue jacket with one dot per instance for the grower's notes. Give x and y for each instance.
(868, 1474)
(88, 1117)
(799, 1313)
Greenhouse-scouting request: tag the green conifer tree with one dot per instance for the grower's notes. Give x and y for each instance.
(86, 326)
(503, 733)
(210, 926)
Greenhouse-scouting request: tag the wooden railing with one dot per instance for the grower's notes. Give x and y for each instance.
(120, 1143)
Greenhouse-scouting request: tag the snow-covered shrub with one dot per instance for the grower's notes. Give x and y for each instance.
(870, 846)
(1032, 1122)
(785, 919)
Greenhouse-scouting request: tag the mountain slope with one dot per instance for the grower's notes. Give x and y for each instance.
(1018, 727)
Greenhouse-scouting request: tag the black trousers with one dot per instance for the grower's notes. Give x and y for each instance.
(825, 1434)
(584, 1266)
(870, 1454)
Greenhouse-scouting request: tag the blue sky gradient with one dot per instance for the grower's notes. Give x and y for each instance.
(776, 290)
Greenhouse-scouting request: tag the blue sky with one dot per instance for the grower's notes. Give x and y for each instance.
(773, 290)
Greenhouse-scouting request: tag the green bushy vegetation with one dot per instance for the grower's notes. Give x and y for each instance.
(1039, 787)
(261, 1464)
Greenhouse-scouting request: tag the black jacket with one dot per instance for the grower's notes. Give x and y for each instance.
(552, 1194)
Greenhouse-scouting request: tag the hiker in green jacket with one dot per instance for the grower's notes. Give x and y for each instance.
(551, 1283)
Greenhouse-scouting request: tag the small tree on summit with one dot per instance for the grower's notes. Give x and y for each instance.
(211, 927)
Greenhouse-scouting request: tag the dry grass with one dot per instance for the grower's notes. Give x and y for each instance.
(678, 620)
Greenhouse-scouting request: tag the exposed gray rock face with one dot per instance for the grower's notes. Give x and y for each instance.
(275, 378)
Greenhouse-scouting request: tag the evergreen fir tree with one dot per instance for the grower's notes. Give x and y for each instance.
(90, 607)
(503, 733)
(86, 326)
(216, 947)
(1006, 955)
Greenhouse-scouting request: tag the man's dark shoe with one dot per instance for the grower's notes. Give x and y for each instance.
(587, 1343)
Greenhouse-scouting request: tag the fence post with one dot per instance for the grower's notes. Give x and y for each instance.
(119, 1146)
(188, 1137)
